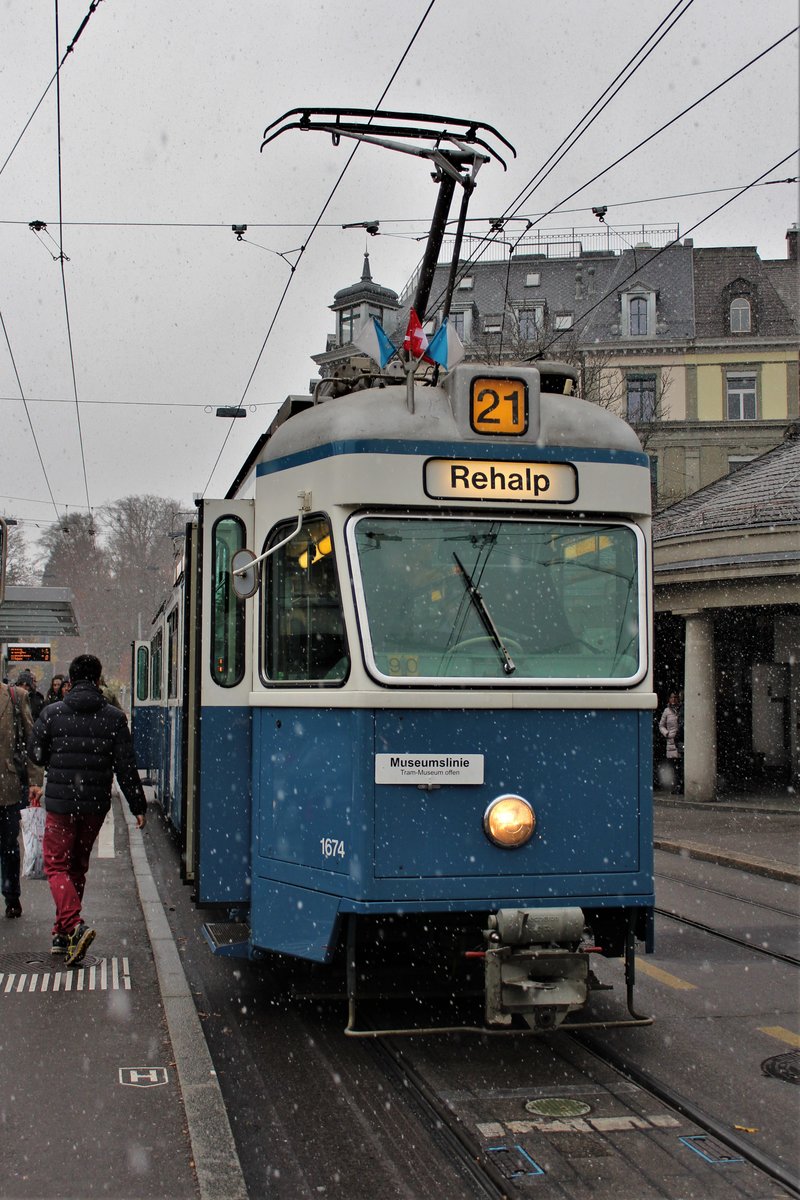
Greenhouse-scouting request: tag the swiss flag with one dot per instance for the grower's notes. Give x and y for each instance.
(415, 342)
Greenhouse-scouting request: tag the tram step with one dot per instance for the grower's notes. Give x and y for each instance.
(230, 938)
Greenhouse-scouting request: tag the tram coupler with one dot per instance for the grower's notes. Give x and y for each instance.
(533, 967)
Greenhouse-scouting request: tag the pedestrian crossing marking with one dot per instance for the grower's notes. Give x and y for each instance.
(106, 975)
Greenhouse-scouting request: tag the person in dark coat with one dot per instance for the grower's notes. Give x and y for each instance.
(27, 680)
(83, 742)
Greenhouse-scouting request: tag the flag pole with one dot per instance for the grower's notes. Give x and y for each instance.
(411, 368)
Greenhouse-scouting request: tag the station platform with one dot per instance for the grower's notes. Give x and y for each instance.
(106, 1084)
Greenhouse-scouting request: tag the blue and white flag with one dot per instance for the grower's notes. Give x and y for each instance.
(445, 347)
(374, 341)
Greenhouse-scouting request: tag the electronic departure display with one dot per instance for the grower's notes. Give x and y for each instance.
(20, 653)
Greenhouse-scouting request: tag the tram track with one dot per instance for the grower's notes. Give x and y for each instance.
(776, 955)
(714, 891)
(443, 1125)
(688, 1109)
(450, 1132)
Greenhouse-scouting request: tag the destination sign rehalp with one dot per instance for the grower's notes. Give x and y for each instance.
(447, 478)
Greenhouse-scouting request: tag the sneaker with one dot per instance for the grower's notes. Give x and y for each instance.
(78, 943)
(13, 908)
(60, 944)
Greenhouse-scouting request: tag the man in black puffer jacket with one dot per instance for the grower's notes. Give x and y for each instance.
(82, 741)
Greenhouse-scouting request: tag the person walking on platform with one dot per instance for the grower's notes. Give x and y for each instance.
(83, 741)
(16, 787)
(27, 680)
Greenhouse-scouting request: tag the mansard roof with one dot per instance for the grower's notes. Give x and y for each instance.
(722, 272)
(764, 492)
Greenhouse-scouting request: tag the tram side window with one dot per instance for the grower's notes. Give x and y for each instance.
(172, 655)
(142, 673)
(227, 610)
(303, 632)
(155, 661)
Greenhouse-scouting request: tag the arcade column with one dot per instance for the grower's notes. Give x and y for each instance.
(699, 701)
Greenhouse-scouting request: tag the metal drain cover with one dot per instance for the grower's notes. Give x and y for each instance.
(783, 1066)
(558, 1106)
(20, 961)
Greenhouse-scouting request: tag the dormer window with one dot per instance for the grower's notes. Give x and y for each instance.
(639, 314)
(740, 315)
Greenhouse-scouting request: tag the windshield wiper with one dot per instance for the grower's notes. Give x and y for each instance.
(480, 604)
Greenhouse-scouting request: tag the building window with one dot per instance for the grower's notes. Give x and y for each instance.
(530, 322)
(563, 321)
(637, 316)
(740, 315)
(466, 282)
(460, 325)
(741, 396)
(533, 279)
(638, 313)
(641, 397)
(737, 461)
(348, 324)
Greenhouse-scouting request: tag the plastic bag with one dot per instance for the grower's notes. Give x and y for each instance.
(33, 820)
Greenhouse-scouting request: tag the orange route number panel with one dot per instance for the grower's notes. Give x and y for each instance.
(499, 407)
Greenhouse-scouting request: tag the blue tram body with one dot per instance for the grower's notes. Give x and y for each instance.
(429, 694)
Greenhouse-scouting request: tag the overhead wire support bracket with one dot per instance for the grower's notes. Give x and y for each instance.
(456, 152)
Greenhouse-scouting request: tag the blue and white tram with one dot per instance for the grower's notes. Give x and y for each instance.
(437, 702)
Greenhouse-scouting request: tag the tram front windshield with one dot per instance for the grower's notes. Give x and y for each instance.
(514, 600)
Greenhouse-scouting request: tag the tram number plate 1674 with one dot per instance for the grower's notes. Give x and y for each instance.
(331, 847)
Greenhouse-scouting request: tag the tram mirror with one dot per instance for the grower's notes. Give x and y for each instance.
(244, 574)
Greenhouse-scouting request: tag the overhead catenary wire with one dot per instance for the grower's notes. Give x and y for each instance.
(28, 415)
(619, 81)
(493, 236)
(313, 230)
(68, 51)
(479, 220)
(63, 274)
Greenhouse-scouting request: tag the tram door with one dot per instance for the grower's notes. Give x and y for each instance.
(219, 744)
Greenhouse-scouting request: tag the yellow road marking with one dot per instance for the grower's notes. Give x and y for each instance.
(680, 985)
(783, 1035)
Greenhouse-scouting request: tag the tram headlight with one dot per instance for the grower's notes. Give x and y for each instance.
(509, 821)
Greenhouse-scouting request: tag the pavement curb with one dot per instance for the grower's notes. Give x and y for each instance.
(216, 1162)
(756, 866)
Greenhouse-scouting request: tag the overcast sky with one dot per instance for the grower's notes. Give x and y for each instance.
(163, 106)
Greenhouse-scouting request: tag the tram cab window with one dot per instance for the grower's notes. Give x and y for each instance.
(303, 637)
(515, 600)
(227, 610)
